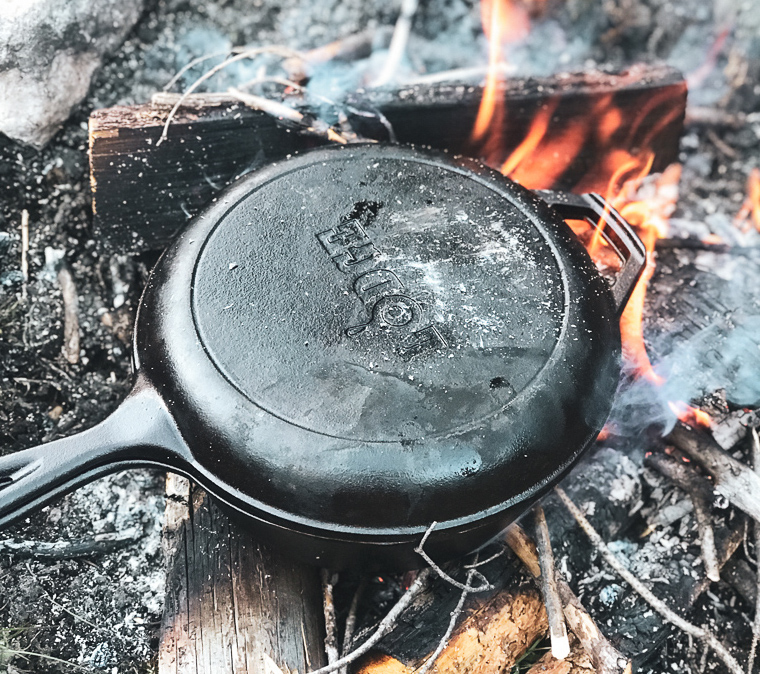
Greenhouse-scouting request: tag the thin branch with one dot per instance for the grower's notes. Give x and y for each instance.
(70, 299)
(452, 623)
(24, 251)
(488, 560)
(198, 61)
(247, 54)
(420, 550)
(385, 625)
(737, 482)
(89, 547)
(605, 658)
(756, 622)
(398, 42)
(557, 627)
(350, 628)
(331, 628)
(655, 602)
(282, 111)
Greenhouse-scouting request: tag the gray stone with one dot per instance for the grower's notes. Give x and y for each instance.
(49, 50)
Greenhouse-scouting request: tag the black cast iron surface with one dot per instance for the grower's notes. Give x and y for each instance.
(354, 343)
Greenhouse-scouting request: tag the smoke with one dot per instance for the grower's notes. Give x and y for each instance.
(703, 333)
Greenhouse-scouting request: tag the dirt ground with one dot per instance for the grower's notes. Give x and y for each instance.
(102, 612)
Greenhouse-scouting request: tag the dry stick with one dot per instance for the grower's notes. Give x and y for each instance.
(350, 628)
(385, 625)
(656, 603)
(700, 491)
(331, 629)
(756, 622)
(605, 658)
(247, 54)
(24, 250)
(737, 482)
(88, 547)
(452, 623)
(282, 111)
(398, 42)
(557, 628)
(70, 315)
(420, 550)
(198, 61)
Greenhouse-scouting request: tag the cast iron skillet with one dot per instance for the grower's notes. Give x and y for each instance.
(356, 342)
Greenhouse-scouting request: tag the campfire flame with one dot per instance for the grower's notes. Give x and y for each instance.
(692, 416)
(548, 150)
(750, 211)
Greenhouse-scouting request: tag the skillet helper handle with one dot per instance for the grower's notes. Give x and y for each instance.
(596, 210)
(140, 432)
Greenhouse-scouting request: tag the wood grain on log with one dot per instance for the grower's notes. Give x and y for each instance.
(497, 627)
(232, 605)
(491, 639)
(733, 479)
(142, 194)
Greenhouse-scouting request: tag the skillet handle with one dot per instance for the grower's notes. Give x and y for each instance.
(597, 211)
(140, 432)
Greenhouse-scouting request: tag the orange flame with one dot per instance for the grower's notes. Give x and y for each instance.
(504, 21)
(624, 145)
(692, 416)
(750, 211)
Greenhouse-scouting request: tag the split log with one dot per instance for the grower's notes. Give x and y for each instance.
(577, 662)
(232, 605)
(496, 629)
(142, 194)
(739, 483)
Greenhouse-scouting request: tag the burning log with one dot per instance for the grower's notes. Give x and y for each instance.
(231, 603)
(497, 629)
(737, 482)
(142, 193)
(605, 658)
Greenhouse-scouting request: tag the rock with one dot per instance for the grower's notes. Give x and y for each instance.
(49, 50)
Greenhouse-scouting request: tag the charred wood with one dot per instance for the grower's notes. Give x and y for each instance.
(604, 657)
(734, 480)
(495, 628)
(142, 193)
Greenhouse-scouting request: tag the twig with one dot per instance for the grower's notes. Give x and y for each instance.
(557, 628)
(473, 75)
(603, 655)
(420, 550)
(282, 111)
(700, 491)
(737, 482)
(350, 628)
(198, 61)
(331, 629)
(385, 625)
(488, 560)
(88, 547)
(704, 116)
(24, 251)
(643, 591)
(756, 621)
(247, 54)
(398, 42)
(70, 315)
(452, 623)
(724, 147)
(12, 652)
